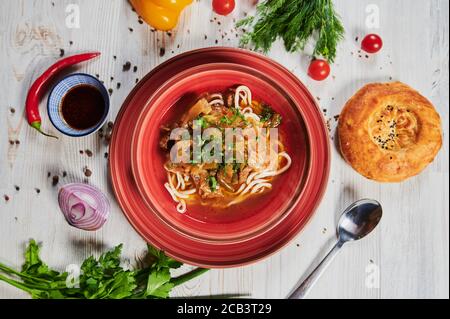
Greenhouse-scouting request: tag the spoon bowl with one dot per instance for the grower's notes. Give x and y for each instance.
(359, 219)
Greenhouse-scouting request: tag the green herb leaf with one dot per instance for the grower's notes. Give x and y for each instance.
(101, 278)
(236, 115)
(36, 272)
(212, 183)
(225, 120)
(266, 113)
(294, 21)
(158, 284)
(122, 286)
(33, 263)
(162, 260)
(202, 122)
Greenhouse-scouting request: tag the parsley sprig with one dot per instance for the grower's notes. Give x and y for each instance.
(101, 278)
(295, 21)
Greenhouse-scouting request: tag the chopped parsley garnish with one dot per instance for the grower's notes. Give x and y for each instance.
(212, 182)
(202, 122)
(266, 113)
(236, 115)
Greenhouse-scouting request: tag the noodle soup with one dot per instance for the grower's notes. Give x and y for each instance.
(224, 151)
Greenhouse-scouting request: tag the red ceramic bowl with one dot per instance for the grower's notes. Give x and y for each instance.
(254, 216)
(182, 245)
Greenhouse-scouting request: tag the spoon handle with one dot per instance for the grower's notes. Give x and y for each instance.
(309, 282)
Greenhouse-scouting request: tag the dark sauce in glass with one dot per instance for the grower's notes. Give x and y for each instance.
(83, 107)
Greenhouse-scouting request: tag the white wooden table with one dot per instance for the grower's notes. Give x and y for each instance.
(408, 253)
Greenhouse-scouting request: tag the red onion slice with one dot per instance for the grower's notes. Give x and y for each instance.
(84, 206)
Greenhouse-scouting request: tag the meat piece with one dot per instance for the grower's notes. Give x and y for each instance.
(224, 183)
(201, 107)
(164, 141)
(274, 121)
(235, 179)
(181, 168)
(219, 110)
(225, 177)
(210, 166)
(197, 173)
(200, 177)
(257, 107)
(228, 173)
(229, 98)
(206, 192)
(243, 174)
(269, 117)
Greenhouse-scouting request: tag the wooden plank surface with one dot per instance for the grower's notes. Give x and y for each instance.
(409, 250)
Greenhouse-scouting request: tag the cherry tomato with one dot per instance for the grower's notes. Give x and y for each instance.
(319, 70)
(223, 7)
(372, 43)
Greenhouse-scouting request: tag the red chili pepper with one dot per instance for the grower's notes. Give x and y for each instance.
(39, 87)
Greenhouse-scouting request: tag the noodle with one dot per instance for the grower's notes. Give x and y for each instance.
(216, 96)
(216, 102)
(181, 207)
(246, 96)
(252, 184)
(260, 183)
(253, 116)
(216, 99)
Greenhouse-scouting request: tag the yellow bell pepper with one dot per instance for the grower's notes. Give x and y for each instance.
(160, 14)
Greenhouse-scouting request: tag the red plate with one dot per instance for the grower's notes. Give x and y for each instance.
(218, 243)
(240, 222)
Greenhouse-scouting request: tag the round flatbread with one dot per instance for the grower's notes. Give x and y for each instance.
(389, 132)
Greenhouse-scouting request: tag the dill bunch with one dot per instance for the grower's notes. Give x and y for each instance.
(294, 21)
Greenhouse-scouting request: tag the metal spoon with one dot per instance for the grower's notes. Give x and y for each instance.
(357, 221)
